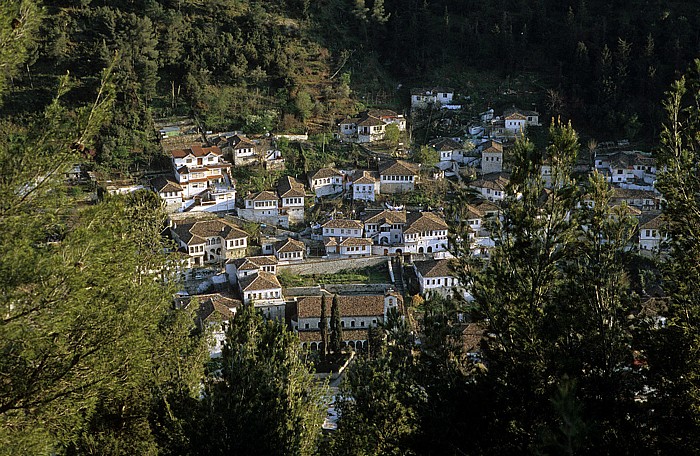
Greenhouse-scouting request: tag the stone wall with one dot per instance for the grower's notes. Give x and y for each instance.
(326, 266)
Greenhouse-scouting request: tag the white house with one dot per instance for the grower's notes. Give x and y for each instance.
(291, 194)
(423, 97)
(651, 232)
(448, 148)
(243, 267)
(426, 232)
(386, 227)
(645, 200)
(491, 157)
(289, 250)
(243, 150)
(264, 291)
(343, 228)
(397, 176)
(348, 247)
(169, 191)
(200, 168)
(628, 167)
(365, 186)
(262, 204)
(491, 186)
(209, 241)
(369, 126)
(326, 181)
(517, 120)
(357, 314)
(436, 277)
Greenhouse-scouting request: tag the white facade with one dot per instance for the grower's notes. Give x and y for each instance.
(426, 242)
(421, 98)
(365, 191)
(327, 185)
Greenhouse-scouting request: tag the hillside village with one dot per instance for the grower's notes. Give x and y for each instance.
(257, 247)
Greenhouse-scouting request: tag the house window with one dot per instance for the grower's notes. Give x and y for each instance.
(352, 324)
(342, 324)
(306, 325)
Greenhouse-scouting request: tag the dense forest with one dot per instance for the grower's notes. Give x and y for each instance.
(95, 359)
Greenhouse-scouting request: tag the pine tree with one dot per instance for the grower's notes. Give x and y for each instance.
(324, 327)
(336, 342)
(266, 400)
(673, 350)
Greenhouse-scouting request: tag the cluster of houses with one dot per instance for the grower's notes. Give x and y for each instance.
(201, 181)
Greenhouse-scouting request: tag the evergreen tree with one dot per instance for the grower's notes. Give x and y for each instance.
(673, 350)
(324, 328)
(336, 342)
(265, 400)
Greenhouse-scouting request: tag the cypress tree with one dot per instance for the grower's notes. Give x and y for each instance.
(336, 327)
(324, 328)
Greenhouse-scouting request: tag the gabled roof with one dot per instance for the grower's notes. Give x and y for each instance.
(260, 281)
(493, 181)
(630, 193)
(348, 306)
(652, 221)
(430, 91)
(289, 245)
(492, 147)
(347, 242)
(364, 177)
(214, 306)
(324, 173)
(379, 113)
(516, 115)
(241, 142)
(343, 223)
(162, 184)
(419, 222)
(398, 168)
(196, 232)
(486, 206)
(522, 112)
(370, 121)
(289, 187)
(435, 268)
(252, 263)
(390, 217)
(262, 196)
(353, 241)
(445, 144)
(197, 151)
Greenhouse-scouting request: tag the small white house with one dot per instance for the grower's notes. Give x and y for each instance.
(348, 247)
(243, 267)
(436, 277)
(365, 186)
(343, 228)
(423, 97)
(326, 181)
(651, 233)
(264, 291)
(289, 250)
